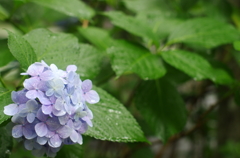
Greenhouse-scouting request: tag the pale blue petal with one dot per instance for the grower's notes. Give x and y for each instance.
(11, 109)
(41, 129)
(17, 131)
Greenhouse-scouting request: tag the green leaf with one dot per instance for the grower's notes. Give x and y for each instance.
(196, 66)
(63, 50)
(143, 6)
(90, 60)
(97, 36)
(21, 50)
(161, 25)
(70, 151)
(132, 25)
(69, 7)
(127, 58)
(162, 107)
(5, 99)
(236, 45)
(204, 32)
(112, 121)
(5, 54)
(5, 143)
(3, 13)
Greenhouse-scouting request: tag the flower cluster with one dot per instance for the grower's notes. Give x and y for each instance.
(51, 110)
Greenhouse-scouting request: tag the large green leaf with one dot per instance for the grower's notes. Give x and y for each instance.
(112, 121)
(21, 50)
(127, 58)
(162, 107)
(132, 25)
(5, 54)
(204, 32)
(5, 99)
(196, 66)
(64, 49)
(97, 36)
(88, 61)
(70, 151)
(69, 7)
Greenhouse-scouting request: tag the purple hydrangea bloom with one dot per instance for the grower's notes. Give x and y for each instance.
(51, 111)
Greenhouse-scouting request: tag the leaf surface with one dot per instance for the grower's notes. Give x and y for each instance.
(162, 107)
(204, 32)
(21, 50)
(74, 8)
(112, 121)
(127, 58)
(196, 66)
(63, 50)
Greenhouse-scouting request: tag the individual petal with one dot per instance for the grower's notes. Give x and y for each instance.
(23, 112)
(32, 94)
(77, 124)
(47, 75)
(41, 129)
(18, 119)
(61, 73)
(21, 97)
(55, 141)
(88, 121)
(71, 68)
(92, 97)
(53, 123)
(47, 109)
(32, 105)
(59, 104)
(44, 63)
(63, 119)
(80, 140)
(64, 132)
(53, 67)
(41, 116)
(83, 128)
(28, 144)
(49, 92)
(74, 136)
(50, 134)
(31, 83)
(42, 140)
(29, 132)
(44, 99)
(35, 69)
(17, 131)
(11, 109)
(74, 98)
(14, 96)
(68, 108)
(58, 112)
(86, 85)
(31, 117)
(58, 84)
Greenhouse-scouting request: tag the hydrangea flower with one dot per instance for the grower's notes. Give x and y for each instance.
(51, 110)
